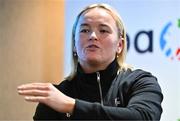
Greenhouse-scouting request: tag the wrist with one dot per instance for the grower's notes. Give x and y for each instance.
(70, 105)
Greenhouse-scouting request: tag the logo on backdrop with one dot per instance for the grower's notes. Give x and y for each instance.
(170, 40)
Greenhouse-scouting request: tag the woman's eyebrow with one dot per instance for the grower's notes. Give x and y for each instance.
(100, 25)
(84, 25)
(104, 25)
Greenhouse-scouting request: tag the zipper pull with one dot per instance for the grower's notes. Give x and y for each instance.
(100, 89)
(98, 77)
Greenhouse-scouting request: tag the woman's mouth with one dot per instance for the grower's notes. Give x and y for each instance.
(92, 47)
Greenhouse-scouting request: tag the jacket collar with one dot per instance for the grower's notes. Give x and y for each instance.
(106, 75)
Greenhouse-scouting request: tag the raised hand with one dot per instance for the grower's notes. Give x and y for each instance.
(48, 94)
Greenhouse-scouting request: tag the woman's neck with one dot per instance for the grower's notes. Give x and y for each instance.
(93, 67)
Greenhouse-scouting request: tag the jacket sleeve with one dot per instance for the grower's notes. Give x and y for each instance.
(144, 99)
(44, 112)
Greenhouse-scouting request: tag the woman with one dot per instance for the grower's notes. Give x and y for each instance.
(101, 85)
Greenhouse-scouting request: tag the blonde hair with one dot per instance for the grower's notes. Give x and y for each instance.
(120, 57)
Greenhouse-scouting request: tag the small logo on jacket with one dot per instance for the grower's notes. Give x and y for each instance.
(117, 101)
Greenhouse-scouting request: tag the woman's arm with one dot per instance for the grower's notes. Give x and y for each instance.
(144, 103)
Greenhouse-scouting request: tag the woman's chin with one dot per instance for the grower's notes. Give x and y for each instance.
(93, 60)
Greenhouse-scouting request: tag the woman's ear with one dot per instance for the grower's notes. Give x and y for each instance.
(120, 46)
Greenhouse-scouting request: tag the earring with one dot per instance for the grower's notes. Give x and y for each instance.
(117, 55)
(74, 54)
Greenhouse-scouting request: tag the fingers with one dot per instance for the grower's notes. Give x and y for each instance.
(33, 92)
(34, 98)
(38, 86)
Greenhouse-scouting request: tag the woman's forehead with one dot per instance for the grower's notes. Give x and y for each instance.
(101, 12)
(97, 15)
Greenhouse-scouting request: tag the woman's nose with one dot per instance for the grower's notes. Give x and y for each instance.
(93, 36)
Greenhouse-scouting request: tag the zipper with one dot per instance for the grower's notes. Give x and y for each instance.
(100, 89)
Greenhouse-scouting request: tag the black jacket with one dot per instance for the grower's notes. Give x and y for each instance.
(129, 95)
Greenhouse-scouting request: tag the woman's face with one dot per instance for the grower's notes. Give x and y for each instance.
(96, 38)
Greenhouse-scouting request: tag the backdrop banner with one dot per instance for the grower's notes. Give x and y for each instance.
(153, 32)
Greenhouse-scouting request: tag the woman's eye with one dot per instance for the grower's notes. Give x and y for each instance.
(104, 31)
(84, 31)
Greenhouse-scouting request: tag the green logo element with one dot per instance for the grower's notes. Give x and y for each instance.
(179, 23)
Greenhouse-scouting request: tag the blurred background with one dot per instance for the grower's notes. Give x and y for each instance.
(35, 38)
(31, 50)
